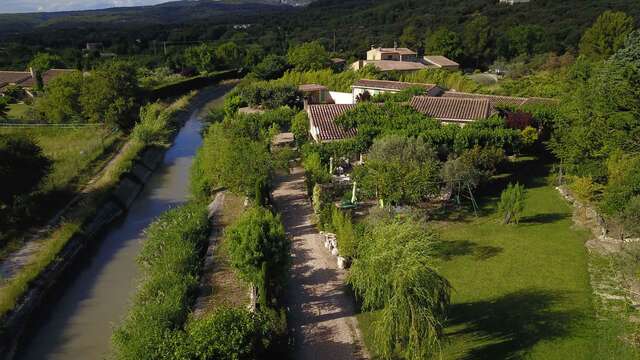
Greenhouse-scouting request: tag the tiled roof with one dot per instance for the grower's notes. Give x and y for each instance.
(322, 118)
(311, 87)
(13, 77)
(390, 65)
(452, 109)
(47, 76)
(24, 78)
(400, 50)
(439, 60)
(389, 85)
(495, 100)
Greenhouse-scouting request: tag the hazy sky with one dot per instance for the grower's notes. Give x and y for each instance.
(15, 6)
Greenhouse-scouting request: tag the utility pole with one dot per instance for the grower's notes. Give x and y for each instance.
(165, 48)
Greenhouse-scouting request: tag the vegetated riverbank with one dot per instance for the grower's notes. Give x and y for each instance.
(112, 194)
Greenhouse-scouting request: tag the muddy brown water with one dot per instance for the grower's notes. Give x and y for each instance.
(79, 323)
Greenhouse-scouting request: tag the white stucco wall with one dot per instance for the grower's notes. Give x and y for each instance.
(341, 97)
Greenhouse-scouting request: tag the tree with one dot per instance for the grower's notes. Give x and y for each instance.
(229, 159)
(110, 95)
(399, 170)
(522, 40)
(308, 56)
(4, 108)
(410, 38)
(511, 203)
(607, 35)
(443, 42)
(271, 67)
(23, 166)
(394, 274)
(630, 53)
(61, 100)
(201, 57)
(300, 128)
(259, 249)
(229, 54)
(41, 63)
(253, 54)
(476, 38)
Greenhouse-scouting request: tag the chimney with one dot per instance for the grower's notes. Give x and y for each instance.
(395, 45)
(373, 47)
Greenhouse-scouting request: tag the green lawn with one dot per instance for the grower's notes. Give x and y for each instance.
(521, 291)
(72, 150)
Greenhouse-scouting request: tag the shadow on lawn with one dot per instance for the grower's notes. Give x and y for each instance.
(447, 250)
(544, 218)
(513, 323)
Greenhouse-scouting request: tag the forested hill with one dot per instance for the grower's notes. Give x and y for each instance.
(176, 12)
(360, 23)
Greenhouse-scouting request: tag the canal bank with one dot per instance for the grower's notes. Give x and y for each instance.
(77, 322)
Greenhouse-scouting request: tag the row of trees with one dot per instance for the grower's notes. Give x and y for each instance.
(596, 134)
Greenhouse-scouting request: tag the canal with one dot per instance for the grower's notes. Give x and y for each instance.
(78, 324)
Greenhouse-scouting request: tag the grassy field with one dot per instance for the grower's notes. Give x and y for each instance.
(521, 291)
(72, 150)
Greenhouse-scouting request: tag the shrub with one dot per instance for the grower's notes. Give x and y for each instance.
(228, 333)
(511, 203)
(270, 95)
(300, 128)
(315, 172)
(271, 67)
(23, 166)
(345, 234)
(585, 189)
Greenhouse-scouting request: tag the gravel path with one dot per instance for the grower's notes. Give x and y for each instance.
(321, 310)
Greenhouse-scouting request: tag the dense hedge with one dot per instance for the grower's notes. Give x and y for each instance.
(185, 86)
(171, 261)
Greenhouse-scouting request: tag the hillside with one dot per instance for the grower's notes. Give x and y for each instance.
(168, 13)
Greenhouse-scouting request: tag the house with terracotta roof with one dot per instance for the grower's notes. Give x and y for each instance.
(498, 100)
(27, 79)
(322, 125)
(402, 59)
(375, 87)
(452, 110)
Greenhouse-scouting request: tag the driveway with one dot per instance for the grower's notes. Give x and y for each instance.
(321, 317)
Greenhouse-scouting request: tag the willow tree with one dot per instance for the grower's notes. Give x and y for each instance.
(394, 274)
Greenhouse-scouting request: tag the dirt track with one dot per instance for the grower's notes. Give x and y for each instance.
(321, 311)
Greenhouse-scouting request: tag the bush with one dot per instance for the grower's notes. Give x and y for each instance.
(511, 203)
(271, 67)
(585, 189)
(300, 128)
(270, 95)
(228, 333)
(345, 234)
(23, 166)
(315, 172)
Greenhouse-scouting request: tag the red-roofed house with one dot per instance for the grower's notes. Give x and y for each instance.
(375, 87)
(27, 79)
(322, 124)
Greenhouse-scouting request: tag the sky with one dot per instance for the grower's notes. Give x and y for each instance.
(18, 6)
